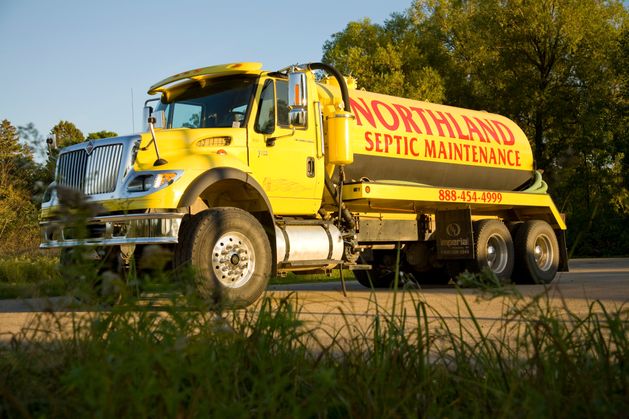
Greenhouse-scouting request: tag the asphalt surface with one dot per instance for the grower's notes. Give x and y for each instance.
(591, 285)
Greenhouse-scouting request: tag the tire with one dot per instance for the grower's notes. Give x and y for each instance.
(382, 273)
(421, 262)
(536, 253)
(493, 248)
(230, 255)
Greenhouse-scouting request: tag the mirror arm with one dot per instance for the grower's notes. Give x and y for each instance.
(270, 141)
(159, 161)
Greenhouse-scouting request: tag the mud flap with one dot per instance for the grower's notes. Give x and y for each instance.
(455, 236)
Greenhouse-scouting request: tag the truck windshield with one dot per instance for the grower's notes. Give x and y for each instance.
(221, 103)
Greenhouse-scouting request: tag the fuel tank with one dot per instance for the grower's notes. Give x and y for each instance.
(399, 139)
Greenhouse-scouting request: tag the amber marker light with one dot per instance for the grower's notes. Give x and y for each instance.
(297, 97)
(163, 179)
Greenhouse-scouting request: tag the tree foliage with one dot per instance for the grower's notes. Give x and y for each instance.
(559, 68)
(383, 59)
(18, 214)
(100, 134)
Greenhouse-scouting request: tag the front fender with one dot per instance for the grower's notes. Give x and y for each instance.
(216, 175)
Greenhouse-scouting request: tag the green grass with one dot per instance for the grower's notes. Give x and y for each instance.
(183, 360)
(41, 276)
(30, 276)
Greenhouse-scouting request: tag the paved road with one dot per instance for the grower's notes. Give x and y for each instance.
(323, 304)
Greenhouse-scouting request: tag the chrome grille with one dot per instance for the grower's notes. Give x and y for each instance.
(92, 174)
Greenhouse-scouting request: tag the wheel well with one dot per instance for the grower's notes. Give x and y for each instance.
(240, 192)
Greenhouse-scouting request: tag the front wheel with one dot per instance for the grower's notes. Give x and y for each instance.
(230, 255)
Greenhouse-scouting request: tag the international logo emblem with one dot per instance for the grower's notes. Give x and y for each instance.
(89, 148)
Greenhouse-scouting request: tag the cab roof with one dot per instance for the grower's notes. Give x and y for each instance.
(206, 73)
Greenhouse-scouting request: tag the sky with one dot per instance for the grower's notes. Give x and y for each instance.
(88, 61)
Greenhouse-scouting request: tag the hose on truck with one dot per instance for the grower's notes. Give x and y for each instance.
(339, 77)
(538, 186)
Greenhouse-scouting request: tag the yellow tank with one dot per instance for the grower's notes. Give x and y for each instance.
(393, 138)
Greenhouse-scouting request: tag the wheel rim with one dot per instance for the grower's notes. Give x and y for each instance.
(543, 252)
(233, 259)
(497, 254)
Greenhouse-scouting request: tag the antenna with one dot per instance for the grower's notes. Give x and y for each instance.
(132, 112)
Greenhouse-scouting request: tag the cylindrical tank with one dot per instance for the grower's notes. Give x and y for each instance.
(400, 139)
(308, 243)
(338, 137)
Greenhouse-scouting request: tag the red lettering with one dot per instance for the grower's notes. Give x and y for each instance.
(505, 141)
(483, 154)
(407, 118)
(369, 146)
(442, 150)
(488, 130)
(393, 126)
(413, 152)
(509, 155)
(388, 140)
(457, 127)
(458, 152)
(420, 112)
(439, 121)
(364, 110)
(502, 157)
(492, 156)
(378, 149)
(473, 129)
(429, 148)
(397, 141)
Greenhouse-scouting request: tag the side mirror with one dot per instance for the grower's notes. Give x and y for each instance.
(297, 98)
(159, 118)
(147, 112)
(51, 142)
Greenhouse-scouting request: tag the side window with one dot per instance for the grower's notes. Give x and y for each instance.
(282, 102)
(186, 115)
(265, 122)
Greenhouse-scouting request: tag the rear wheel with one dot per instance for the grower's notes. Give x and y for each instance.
(230, 254)
(536, 253)
(493, 247)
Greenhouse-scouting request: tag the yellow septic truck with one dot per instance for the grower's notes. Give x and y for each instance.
(246, 174)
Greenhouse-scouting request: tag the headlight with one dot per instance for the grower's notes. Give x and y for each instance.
(141, 183)
(147, 181)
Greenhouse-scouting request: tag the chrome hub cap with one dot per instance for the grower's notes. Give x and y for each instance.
(497, 255)
(543, 252)
(233, 259)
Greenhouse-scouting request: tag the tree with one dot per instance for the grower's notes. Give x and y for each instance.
(66, 134)
(29, 135)
(379, 56)
(100, 134)
(13, 156)
(18, 215)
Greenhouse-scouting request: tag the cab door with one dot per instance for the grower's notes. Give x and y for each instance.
(284, 160)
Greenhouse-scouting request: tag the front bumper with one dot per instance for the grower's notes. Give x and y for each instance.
(113, 230)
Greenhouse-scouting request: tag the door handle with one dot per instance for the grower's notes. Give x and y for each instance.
(310, 166)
